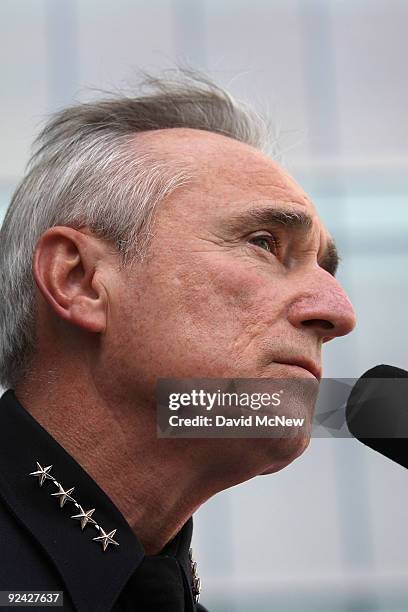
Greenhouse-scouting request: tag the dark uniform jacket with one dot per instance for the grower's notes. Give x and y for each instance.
(51, 511)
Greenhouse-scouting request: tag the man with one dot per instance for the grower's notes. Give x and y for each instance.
(151, 238)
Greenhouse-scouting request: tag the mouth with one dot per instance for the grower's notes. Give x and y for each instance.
(305, 364)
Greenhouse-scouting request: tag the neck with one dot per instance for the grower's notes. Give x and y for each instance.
(156, 483)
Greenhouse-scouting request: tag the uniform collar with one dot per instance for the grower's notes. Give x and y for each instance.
(82, 563)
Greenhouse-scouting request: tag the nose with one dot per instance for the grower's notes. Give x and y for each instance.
(323, 308)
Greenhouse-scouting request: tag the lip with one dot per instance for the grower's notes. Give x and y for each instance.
(305, 364)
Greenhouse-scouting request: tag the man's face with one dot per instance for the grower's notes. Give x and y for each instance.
(232, 286)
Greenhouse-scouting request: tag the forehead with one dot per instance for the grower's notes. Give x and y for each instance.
(228, 176)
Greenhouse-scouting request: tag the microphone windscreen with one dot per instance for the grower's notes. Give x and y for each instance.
(377, 412)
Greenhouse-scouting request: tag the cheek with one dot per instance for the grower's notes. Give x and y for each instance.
(226, 310)
(230, 294)
(194, 321)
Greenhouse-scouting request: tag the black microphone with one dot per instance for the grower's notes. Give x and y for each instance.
(377, 412)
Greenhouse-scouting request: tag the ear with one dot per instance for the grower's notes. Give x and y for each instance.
(66, 266)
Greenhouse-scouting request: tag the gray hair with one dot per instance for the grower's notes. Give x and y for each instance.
(87, 171)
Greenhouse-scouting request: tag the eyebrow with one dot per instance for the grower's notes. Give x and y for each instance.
(295, 220)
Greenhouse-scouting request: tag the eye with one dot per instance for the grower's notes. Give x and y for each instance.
(267, 242)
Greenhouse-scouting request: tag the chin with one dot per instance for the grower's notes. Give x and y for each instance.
(285, 452)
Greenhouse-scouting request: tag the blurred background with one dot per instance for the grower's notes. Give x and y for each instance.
(330, 532)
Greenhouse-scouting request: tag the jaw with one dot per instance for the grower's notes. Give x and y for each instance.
(294, 453)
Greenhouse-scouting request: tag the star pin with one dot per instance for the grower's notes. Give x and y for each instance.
(106, 538)
(63, 495)
(42, 473)
(84, 517)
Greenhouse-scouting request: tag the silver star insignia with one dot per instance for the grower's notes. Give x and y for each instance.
(84, 517)
(42, 473)
(63, 495)
(106, 538)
